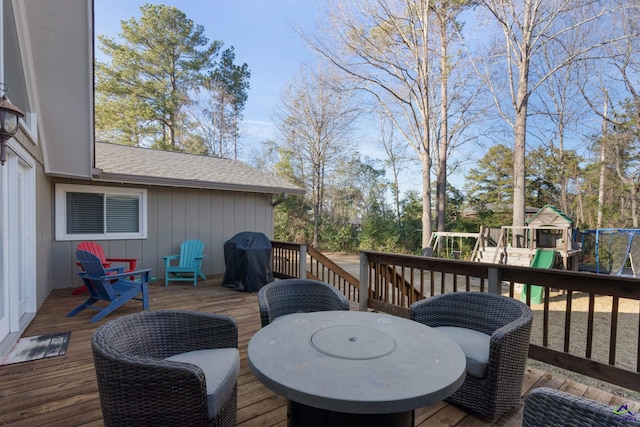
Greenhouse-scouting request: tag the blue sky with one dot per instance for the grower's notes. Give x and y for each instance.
(262, 36)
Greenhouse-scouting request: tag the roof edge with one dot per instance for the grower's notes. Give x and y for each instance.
(171, 182)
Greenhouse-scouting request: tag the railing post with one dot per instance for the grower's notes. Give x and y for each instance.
(302, 268)
(363, 291)
(495, 280)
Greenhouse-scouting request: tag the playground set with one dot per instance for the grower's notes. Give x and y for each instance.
(548, 240)
(548, 229)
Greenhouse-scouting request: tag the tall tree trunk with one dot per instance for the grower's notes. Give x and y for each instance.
(426, 199)
(603, 168)
(629, 181)
(519, 149)
(395, 158)
(519, 170)
(317, 190)
(396, 198)
(425, 154)
(579, 201)
(564, 204)
(634, 204)
(441, 183)
(235, 136)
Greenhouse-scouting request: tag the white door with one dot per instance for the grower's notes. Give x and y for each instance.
(4, 261)
(17, 244)
(21, 261)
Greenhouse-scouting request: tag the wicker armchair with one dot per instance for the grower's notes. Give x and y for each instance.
(139, 387)
(545, 407)
(298, 296)
(506, 324)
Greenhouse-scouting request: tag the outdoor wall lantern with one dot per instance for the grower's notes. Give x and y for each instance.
(9, 116)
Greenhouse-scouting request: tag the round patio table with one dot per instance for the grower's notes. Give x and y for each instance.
(352, 368)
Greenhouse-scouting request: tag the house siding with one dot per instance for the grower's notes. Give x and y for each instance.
(60, 48)
(174, 215)
(44, 235)
(34, 150)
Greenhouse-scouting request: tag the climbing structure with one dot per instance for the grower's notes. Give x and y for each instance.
(549, 228)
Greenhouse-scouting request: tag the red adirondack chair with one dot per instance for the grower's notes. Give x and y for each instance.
(96, 249)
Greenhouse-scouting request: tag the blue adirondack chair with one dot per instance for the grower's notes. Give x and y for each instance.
(189, 261)
(112, 285)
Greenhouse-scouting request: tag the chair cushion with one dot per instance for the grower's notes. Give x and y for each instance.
(221, 367)
(474, 345)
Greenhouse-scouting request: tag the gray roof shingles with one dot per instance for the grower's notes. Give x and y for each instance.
(122, 163)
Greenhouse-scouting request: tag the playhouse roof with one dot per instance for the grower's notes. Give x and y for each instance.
(550, 215)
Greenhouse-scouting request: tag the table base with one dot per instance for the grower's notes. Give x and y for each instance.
(299, 415)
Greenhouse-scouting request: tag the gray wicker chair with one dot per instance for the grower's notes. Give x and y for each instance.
(508, 324)
(545, 407)
(298, 296)
(138, 386)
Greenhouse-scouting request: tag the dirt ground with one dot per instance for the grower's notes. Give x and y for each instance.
(627, 329)
(626, 340)
(350, 262)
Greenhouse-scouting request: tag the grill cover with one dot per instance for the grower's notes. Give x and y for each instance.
(247, 258)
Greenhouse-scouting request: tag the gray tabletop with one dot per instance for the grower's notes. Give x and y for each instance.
(356, 362)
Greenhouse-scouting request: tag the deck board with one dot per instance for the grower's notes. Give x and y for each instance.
(62, 391)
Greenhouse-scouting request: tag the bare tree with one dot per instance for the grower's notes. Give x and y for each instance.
(626, 147)
(620, 120)
(315, 118)
(210, 130)
(559, 103)
(386, 49)
(456, 106)
(396, 159)
(527, 27)
(603, 163)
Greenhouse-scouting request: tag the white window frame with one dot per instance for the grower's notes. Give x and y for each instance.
(61, 211)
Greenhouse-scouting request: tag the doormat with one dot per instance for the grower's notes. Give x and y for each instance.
(38, 347)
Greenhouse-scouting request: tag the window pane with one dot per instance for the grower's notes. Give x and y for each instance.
(85, 213)
(122, 214)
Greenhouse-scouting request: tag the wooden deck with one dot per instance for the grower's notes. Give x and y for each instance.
(62, 391)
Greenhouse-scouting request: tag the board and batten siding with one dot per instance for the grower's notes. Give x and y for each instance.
(173, 216)
(45, 231)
